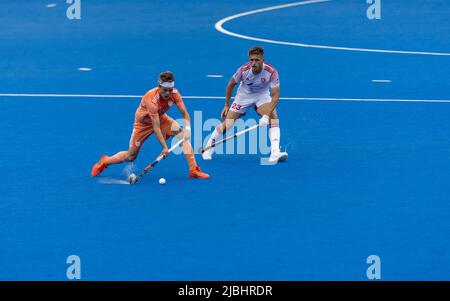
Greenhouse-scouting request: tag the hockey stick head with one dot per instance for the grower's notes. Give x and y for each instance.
(132, 179)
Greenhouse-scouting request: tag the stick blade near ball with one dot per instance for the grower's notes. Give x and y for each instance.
(132, 179)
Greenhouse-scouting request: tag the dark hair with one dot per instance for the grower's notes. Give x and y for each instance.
(166, 76)
(256, 50)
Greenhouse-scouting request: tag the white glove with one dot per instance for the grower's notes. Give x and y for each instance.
(264, 120)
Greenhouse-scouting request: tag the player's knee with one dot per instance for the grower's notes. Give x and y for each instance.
(273, 115)
(223, 128)
(131, 156)
(178, 132)
(219, 128)
(227, 124)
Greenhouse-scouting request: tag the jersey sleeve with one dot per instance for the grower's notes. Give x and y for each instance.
(238, 75)
(274, 80)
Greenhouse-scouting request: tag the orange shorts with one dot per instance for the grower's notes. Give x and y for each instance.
(142, 131)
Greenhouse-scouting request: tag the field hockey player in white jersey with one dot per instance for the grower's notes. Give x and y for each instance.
(259, 87)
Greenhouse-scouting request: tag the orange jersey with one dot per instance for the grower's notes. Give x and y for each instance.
(153, 104)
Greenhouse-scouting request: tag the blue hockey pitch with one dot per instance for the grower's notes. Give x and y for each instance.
(364, 115)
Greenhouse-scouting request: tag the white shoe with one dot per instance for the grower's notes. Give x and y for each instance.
(278, 156)
(207, 155)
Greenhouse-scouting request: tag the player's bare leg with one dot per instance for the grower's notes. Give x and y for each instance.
(274, 134)
(138, 137)
(123, 156)
(194, 170)
(221, 129)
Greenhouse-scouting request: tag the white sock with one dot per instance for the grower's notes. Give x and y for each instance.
(214, 136)
(274, 135)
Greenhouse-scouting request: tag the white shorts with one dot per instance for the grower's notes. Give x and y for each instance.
(242, 102)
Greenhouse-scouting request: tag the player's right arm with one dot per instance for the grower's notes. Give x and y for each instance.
(159, 135)
(228, 93)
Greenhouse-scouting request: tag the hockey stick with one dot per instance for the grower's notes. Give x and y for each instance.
(133, 179)
(201, 150)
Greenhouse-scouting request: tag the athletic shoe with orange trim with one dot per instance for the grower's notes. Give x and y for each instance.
(99, 167)
(198, 174)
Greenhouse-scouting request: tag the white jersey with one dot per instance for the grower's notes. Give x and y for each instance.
(260, 83)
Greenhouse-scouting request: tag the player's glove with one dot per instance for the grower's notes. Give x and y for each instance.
(264, 120)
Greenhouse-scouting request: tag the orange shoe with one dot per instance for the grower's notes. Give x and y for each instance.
(99, 167)
(198, 174)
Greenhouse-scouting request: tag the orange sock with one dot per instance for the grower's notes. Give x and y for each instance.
(117, 158)
(189, 153)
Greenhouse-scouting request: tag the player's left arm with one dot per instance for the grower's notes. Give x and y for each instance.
(186, 118)
(275, 92)
(275, 99)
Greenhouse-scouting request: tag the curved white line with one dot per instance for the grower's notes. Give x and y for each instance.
(219, 27)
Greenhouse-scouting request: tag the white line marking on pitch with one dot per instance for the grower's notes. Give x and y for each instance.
(222, 97)
(220, 23)
(215, 75)
(84, 69)
(51, 5)
(381, 81)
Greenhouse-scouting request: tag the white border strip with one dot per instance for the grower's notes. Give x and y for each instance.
(222, 97)
(219, 27)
